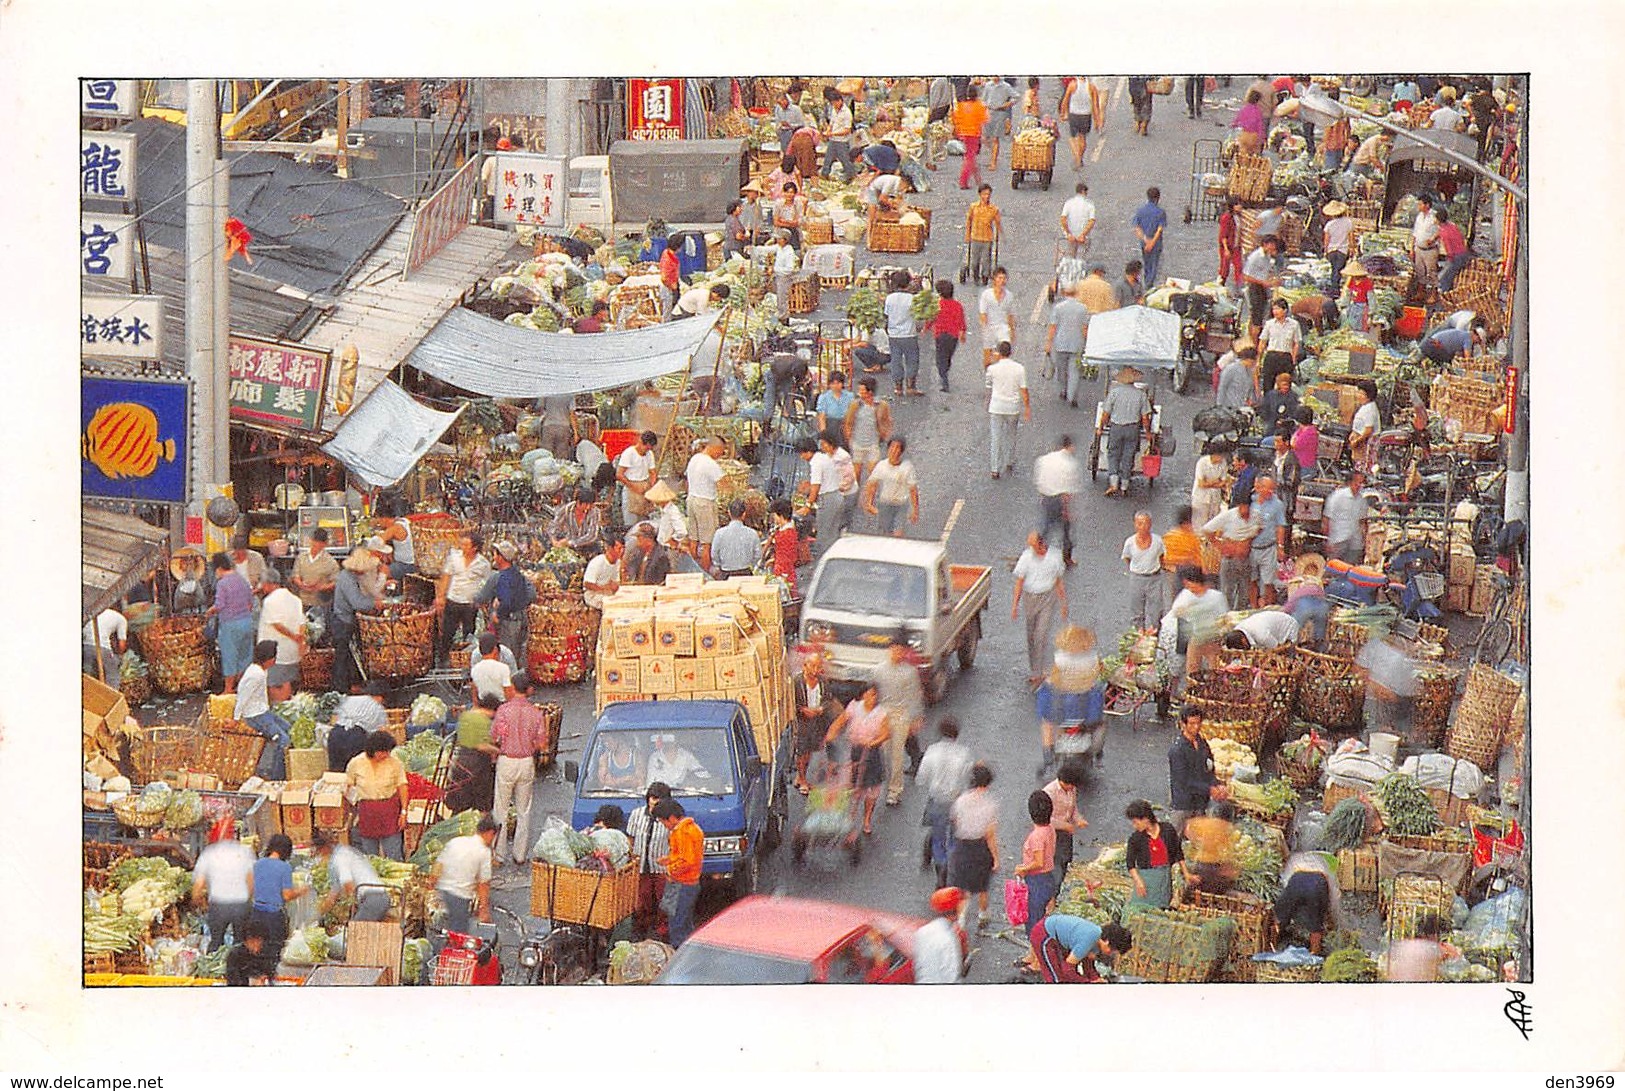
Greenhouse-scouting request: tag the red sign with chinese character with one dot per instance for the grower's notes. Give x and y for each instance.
(276, 384)
(654, 109)
(1511, 425)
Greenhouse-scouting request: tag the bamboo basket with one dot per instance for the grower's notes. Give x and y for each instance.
(1337, 793)
(398, 642)
(1033, 155)
(1255, 928)
(1281, 672)
(1250, 177)
(1451, 808)
(576, 896)
(1281, 820)
(835, 353)
(1430, 715)
(1248, 732)
(433, 537)
(817, 231)
(1273, 973)
(1345, 639)
(554, 578)
(557, 661)
(306, 764)
(1357, 870)
(180, 659)
(557, 615)
(1332, 692)
(886, 235)
(1480, 276)
(231, 756)
(137, 689)
(158, 751)
(139, 814)
(316, 669)
(1482, 716)
(98, 963)
(804, 293)
(1233, 686)
(1408, 899)
(461, 659)
(1363, 209)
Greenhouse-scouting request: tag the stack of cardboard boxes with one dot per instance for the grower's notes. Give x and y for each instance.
(694, 639)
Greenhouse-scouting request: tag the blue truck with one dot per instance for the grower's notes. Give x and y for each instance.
(729, 775)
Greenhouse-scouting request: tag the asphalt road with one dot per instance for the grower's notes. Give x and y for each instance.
(948, 443)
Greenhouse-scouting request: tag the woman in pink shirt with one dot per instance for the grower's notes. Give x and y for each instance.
(1306, 440)
(1250, 125)
(1454, 247)
(866, 732)
(1037, 865)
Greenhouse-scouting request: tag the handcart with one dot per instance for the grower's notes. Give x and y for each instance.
(832, 821)
(378, 944)
(1210, 186)
(1032, 160)
(1142, 338)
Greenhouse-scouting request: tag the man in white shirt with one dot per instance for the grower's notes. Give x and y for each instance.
(736, 547)
(669, 762)
(838, 136)
(222, 882)
(883, 190)
(1268, 628)
(350, 875)
(1078, 222)
(634, 469)
(903, 335)
(704, 473)
(603, 575)
(944, 773)
(1281, 340)
(253, 708)
(1345, 515)
(490, 676)
(1058, 477)
(462, 876)
(1142, 557)
(1425, 241)
(701, 300)
(1258, 274)
(108, 635)
(1007, 403)
(785, 264)
(830, 489)
(1235, 528)
(1038, 588)
(996, 310)
(282, 619)
(938, 959)
(893, 487)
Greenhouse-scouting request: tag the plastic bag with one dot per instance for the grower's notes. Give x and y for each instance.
(612, 843)
(1015, 901)
(553, 846)
(637, 963)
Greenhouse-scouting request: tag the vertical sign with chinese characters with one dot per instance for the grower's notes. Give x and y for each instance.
(529, 189)
(107, 166)
(276, 384)
(442, 217)
(106, 245)
(108, 98)
(655, 109)
(122, 327)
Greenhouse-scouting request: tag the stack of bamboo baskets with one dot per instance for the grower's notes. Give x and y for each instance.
(697, 640)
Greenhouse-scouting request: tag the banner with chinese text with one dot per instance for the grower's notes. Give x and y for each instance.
(107, 166)
(442, 217)
(121, 327)
(654, 109)
(107, 98)
(277, 384)
(529, 189)
(134, 439)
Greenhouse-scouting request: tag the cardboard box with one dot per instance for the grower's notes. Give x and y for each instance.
(737, 671)
(617, 674)
(610, 697)
(1483, 590)
(1348, 401)
(657, 674)
(711, 695)
(674, 633)
(329, 809)
(1462, 567)
(294, 815)
(633, 635)
(103, 705)
(685, 579)
(1458, 599)
(695, 675)
(754, 700)
(715, 635)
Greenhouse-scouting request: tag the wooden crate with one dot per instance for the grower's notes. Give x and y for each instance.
(1357, 870)
(1255, 928)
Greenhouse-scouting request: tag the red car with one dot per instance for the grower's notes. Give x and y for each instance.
(793, 941)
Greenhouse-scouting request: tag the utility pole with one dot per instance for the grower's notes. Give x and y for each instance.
(203, 242)
(560, 117)
(220, 332)
(1516, 504)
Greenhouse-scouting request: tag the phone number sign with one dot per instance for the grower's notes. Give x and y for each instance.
(276, 384)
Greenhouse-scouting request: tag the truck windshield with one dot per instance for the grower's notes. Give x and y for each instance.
(872, 587)
(702, 964)
(691, 761)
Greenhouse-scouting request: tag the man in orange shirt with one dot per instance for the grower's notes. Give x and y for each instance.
(969, 119)
(682, 866)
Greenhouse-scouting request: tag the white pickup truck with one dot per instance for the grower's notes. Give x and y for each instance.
(867, 588)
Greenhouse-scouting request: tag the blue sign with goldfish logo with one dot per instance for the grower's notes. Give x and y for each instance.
(134, 439)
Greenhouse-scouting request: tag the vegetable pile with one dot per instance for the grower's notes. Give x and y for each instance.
(925, 306)
(863, 309)
(562, 555)
(131, 666)
(185, 810)
(426, 709)
(421, 752)
(1273, 797)
(1344, 827)
(1227, 754)
(1405, 807)
(461, 824)
(1349, 964)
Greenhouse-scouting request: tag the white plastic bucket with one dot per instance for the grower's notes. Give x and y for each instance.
(1385, 744)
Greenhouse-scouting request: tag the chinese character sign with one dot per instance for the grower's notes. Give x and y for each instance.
(134, 442)
(106, 245)
(442, 217)
(656, 109)
(529, 189)
(107, 98)
(121, 327)
(107, 165)
(277, 384)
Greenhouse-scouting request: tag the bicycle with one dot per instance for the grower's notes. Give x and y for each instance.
(1495, 637)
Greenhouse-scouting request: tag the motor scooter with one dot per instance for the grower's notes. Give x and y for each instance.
(1076, 724)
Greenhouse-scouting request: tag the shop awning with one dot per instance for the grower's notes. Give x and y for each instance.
(116, 551)
(384, 437)
(1133, 335)
(492, 358)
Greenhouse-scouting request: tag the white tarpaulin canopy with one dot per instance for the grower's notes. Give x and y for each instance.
(1133, 335)
(492, 358)
(384, 437)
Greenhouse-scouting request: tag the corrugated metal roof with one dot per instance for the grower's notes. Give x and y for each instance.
(310, 228)
(385, 317)
(117, 551)
(259, 307)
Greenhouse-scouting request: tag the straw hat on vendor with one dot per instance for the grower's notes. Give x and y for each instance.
(1355, 269)
(1334, 209)
(1077, 664)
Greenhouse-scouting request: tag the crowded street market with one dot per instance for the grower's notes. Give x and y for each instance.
(541, 553)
